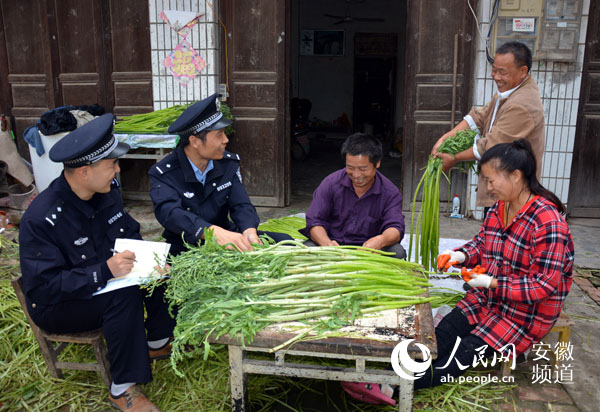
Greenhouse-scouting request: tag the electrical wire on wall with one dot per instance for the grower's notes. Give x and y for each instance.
(493, 17)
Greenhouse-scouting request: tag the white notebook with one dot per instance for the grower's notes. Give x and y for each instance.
(147, 255)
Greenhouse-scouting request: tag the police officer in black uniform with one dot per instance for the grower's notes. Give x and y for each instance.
(199, 185)
(65, 238)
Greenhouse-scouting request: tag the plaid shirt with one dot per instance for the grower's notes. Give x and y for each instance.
(532, 259)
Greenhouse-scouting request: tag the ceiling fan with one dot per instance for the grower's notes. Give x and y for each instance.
(347, 17)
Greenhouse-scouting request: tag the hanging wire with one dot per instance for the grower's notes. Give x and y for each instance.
(493, 18)
(475, 17)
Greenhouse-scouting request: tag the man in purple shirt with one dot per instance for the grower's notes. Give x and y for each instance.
(357, 205)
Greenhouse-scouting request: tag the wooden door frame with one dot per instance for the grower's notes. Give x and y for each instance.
(52, 54)
(581, 144)
(466, 56)
(5, 92)
(282, 165)
(45, 8)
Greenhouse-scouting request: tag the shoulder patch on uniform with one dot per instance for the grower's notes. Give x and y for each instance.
(54, 212)
(239, 175)
(231, 156)
(166, 165)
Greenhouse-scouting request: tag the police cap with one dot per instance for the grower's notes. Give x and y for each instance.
(89, 143)
(204, 115)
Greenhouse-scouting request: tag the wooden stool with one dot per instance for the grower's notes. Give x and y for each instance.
(51, 352)
(563, 328)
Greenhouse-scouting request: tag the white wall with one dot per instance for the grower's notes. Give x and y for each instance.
(204, 38)
(328, 81)
(559, 85)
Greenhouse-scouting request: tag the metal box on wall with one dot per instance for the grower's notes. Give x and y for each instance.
(550, 28)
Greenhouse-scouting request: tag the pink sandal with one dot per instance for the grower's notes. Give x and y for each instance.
(367, 392)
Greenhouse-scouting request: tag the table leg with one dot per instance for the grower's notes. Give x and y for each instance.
(239, 379)
(405, 389)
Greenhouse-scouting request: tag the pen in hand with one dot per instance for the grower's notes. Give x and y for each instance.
(115, 251)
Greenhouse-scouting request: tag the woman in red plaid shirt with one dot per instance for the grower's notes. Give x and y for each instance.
(527, 251)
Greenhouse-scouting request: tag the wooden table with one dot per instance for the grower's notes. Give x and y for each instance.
(359, 350)
(144, 147)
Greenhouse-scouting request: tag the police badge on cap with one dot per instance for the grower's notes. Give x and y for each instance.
(89, 144)
(204, 115)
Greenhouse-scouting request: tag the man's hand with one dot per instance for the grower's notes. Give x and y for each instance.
(121, 263)
(462, 125)
(441, 140)
(318, 234)
(232, 239)
(252, 235)
(376, 242)
(448, 161)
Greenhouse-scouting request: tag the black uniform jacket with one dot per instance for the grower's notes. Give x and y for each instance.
(65, 242)
(184, 205)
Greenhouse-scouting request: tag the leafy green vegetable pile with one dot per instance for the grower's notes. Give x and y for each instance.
(154, 122)
(287, 224)
(220, 291)
(159, 121)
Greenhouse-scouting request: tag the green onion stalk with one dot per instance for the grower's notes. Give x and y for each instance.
(158, 121)
(427, 231)
(289, 225)
(220, 291)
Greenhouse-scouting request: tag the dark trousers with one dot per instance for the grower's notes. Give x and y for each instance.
(453, 325)
(397, 249)
(276, 236)
(120, 314)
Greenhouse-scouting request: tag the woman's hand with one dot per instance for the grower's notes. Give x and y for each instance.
(449, 258)
(482, 280)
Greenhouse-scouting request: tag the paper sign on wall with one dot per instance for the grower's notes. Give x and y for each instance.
(184, 62)
(523, 24)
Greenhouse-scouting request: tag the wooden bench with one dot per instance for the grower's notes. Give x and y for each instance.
(50, 352)
(563, 328)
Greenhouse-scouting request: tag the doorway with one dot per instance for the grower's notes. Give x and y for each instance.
(347, 62)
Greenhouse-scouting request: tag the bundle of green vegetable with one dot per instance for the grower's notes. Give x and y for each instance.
(287, 224)
(153, 122)
(159, 121)
(428, 221)
(444, 296)
(220, 291)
